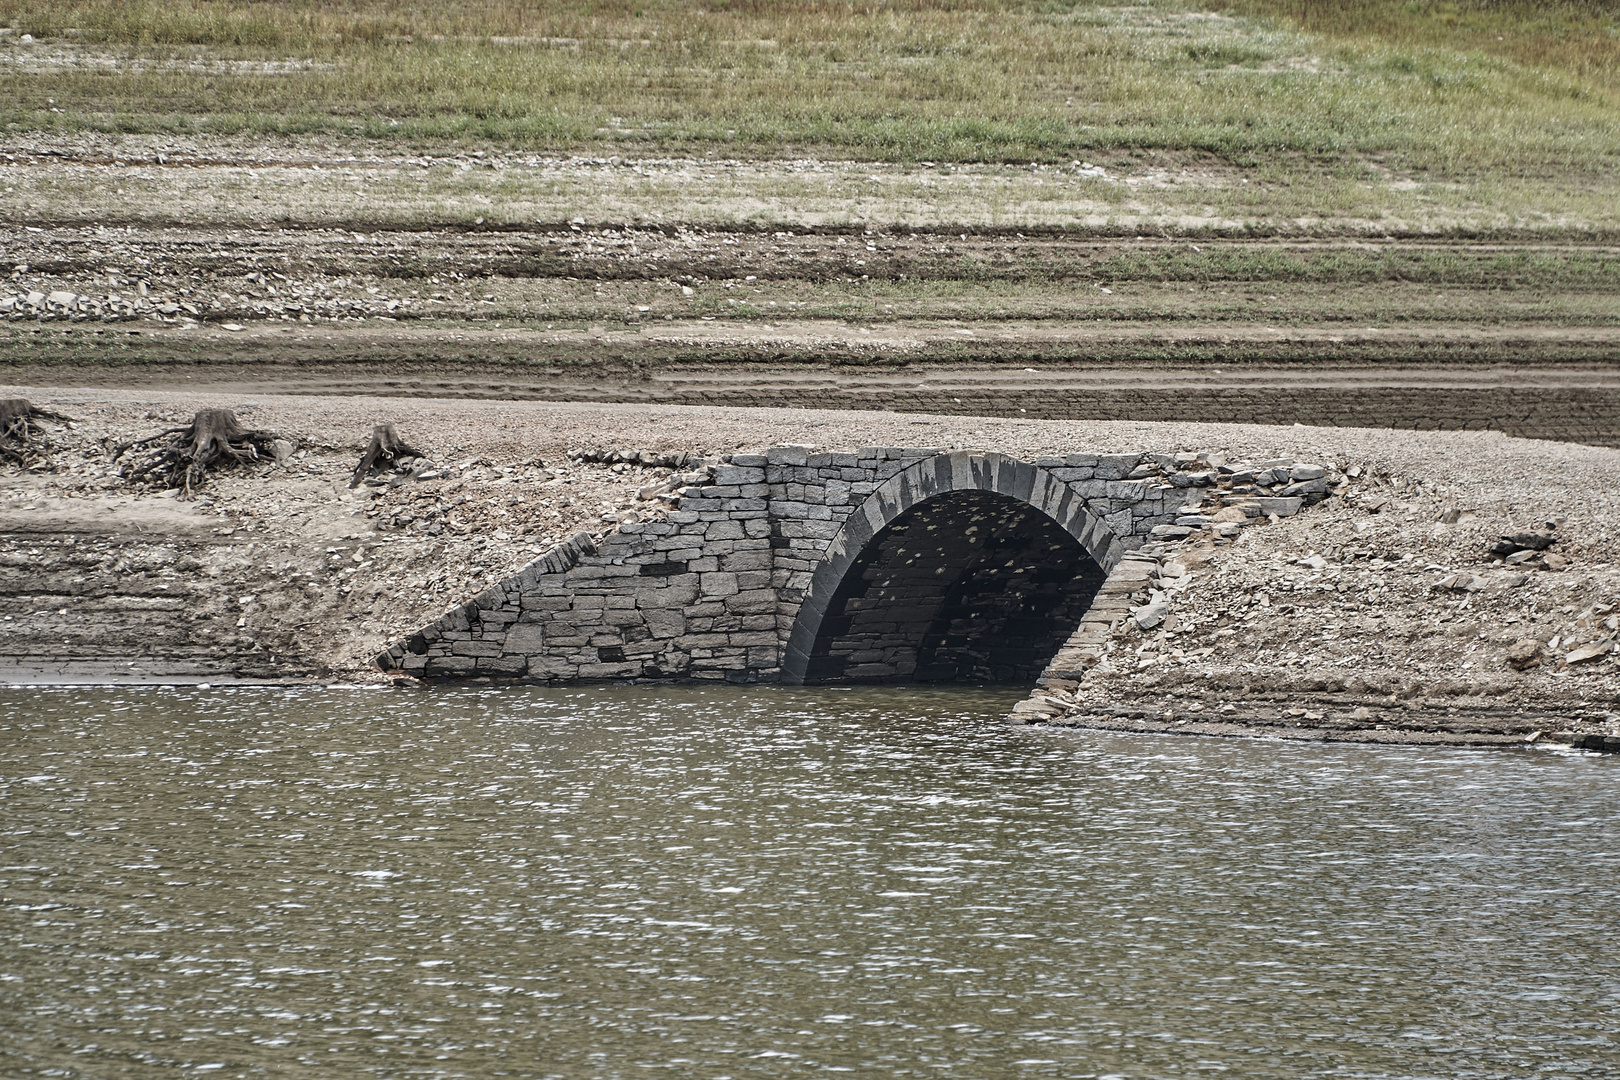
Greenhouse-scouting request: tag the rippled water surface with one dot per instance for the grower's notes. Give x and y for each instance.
(646, 882)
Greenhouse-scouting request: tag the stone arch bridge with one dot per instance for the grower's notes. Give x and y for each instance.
(881, 565)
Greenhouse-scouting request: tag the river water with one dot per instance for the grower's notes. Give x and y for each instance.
(714, 883)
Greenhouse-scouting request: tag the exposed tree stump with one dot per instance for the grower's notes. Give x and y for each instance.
(385, 450)
(180, 457)
(20, 429)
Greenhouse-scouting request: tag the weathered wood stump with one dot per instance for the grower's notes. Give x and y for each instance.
(385, 450)
(21, 433)
(181, 457)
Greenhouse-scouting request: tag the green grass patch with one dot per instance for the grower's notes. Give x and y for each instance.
(1449, 87)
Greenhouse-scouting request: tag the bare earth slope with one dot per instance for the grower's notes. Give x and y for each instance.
(301, 265)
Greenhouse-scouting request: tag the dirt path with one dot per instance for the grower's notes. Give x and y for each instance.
(1253, 374)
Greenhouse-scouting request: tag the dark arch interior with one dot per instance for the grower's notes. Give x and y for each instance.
(969, 586)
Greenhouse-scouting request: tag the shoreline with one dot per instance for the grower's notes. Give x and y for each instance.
(284, 571)
(1131, 721)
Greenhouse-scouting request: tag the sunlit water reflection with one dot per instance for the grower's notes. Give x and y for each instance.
(643, 882)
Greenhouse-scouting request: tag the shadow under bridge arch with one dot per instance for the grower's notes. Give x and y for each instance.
(963, 567)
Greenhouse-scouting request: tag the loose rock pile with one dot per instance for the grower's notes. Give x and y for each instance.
(141, 301)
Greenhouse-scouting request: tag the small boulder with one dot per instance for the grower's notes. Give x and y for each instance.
(1461, 583)
(1524, 654)
(1513, 543)
(1151, 615)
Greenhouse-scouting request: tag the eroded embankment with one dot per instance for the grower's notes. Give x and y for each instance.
(1397, 611)
(1392, 624)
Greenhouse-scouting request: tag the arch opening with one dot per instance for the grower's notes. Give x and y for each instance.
(966, 586)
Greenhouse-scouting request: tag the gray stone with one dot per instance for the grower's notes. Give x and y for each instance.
(1151, 615)
(788, 455)
(1280, 506)
(1116, 466)
(1588, 653)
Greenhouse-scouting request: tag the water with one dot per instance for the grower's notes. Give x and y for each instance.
(646, 882)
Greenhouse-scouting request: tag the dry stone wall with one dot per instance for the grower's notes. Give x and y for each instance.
(730, 575)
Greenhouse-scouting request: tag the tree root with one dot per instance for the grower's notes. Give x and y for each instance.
(21, 434)
(181, 457)
(385, 451)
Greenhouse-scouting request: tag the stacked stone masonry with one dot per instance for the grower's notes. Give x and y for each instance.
(743, 573)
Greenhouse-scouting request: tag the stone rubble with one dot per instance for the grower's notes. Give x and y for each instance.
(1355, 622)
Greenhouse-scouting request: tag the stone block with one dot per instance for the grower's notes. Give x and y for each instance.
(754, 638)
(787, 455)
(476, 648)
(747, 560)
(1282, 507)
(731, 475)
(665, 624)
(526, 639)
(1116, 466)
(756, 602)
(448, 666)
(508, 666)
(618, 670)
(692, 642)
(719, 583)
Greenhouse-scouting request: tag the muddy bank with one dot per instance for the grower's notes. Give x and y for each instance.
(1341, 611)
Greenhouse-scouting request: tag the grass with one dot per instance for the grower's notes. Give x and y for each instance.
(1467, 88)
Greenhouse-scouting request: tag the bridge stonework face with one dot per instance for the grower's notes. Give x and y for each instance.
(795, 565)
